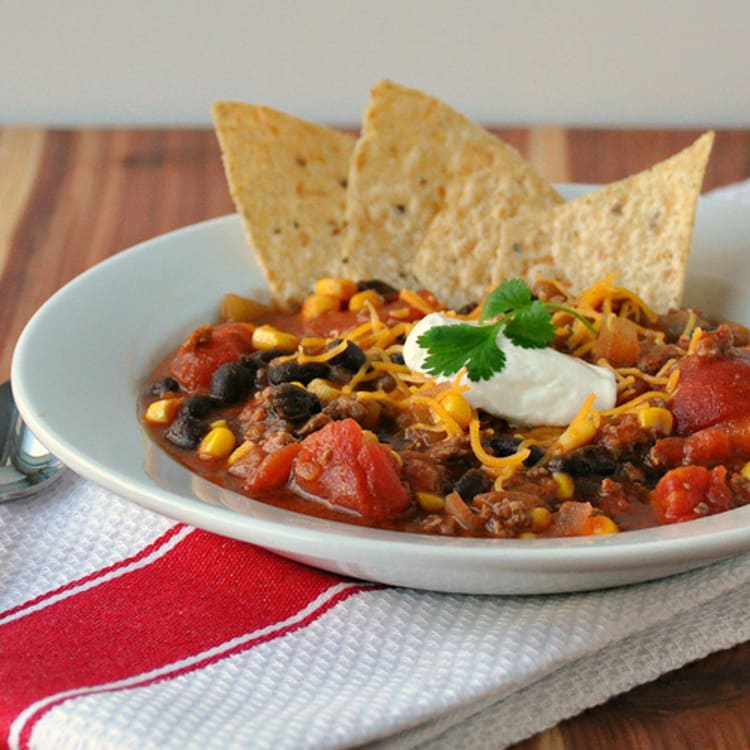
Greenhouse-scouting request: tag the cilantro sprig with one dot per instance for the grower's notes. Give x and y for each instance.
(527, 322)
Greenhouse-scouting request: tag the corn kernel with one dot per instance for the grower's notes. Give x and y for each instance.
(232, 307)
(527, 535)
(656, 418)
(267, 337)
(342, 289)
(162, 411)
(218, 423)
(430, 502)
(577, 434)
(601, 525)
(458, 408)
(240, 452)
(541, 518)
(369, 437)
(318, 304)
(218, 443)
(745, 471)
(359, 300)
(323, 389)
(565, 485)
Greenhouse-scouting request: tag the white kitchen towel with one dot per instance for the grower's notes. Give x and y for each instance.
(123, 629)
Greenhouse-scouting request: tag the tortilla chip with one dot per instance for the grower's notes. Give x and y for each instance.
(288, 181)
(411, 148)
(639, 229)
(489, 187)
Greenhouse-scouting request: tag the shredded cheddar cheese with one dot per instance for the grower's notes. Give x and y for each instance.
(313, 342)
(414, 300)
(392, 367)
(443, 419)
(487, 459)
(673, 381)
(637, 401)
(687, 331)
(362, 375)
(603, 290)
(582, 428)
(387, 336)
(584, 349)
(402, 312)
(326, 355)
(634, 372)
(694, 339)
(433, 409)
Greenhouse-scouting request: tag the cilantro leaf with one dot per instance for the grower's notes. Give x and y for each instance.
(485, 362)
(511, 294)
(531, 327)
(527, 322)
(455, 346)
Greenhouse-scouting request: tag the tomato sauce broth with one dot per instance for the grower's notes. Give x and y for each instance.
(326, 424)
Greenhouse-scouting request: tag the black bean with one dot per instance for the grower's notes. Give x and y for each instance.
(351, 358)
(164, 385)
(186, 431)
(536, 454)
(381, 287)
(290, 371)
(262, 357)
(197, 407)
(590, 459)
(232, 382)
(292, 403)
(473, 482)
(397, 358)
(502, 446)
(469, 307)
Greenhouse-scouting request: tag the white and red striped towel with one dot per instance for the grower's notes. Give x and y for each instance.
(121, 629)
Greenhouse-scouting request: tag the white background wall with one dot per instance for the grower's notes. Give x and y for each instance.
(504, 61)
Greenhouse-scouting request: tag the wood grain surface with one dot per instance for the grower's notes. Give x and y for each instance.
(69, 199)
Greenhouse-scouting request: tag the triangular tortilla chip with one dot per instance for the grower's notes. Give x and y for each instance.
(288, 181)
(639, 229)
(411, 148)
(489, 187)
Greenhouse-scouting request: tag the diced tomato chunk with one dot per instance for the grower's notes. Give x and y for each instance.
(711, 391)
(338, 465)
(739, 436)
(331, 323)
(273, 471)
(689, 492)
(205, 349)
(709, 447)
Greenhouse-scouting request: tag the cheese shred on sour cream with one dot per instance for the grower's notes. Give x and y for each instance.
(536, 386)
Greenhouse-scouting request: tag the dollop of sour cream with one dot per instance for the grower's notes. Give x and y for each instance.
(536, 386)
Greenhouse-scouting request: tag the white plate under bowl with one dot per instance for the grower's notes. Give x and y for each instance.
(82, 359)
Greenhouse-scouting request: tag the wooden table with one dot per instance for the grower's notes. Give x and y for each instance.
(71, 198)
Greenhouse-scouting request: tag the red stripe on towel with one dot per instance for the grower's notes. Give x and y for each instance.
(202, 592)
(97, 574)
